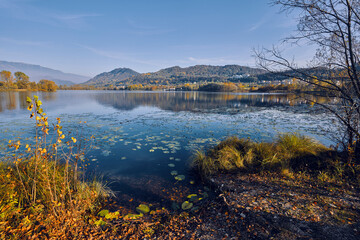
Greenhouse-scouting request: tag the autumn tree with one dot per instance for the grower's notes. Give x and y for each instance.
(22, 80)
(47, 86)
(7, 79)
(334, 27)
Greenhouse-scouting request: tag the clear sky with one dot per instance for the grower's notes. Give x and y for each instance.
(88, 37)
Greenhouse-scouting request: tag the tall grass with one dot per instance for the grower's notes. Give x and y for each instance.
(287, 153)
(42, 192)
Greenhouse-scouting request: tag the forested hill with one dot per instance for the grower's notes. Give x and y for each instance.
(175, 75)
(208, 71)
(116, 75)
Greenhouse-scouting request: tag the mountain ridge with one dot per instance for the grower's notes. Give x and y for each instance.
(118, 74)
(38, 72)
(174, 75)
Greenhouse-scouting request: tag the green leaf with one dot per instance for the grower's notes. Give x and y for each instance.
(186, 205)
(131, 216)
(103, 213)
(36, 97)
(142, 208)
(112, 215)
(180, 177)
(28, 100)
(100, 223)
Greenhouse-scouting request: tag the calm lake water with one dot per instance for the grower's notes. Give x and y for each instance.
(143, 140)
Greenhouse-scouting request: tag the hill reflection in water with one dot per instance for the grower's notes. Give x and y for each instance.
(198, 101)
(170, 101)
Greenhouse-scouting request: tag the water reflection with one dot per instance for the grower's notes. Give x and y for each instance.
(196, 101)
(17, 100)
(171, 101)
(140, 150)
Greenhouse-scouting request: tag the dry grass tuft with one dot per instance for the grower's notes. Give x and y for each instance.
(289, 152)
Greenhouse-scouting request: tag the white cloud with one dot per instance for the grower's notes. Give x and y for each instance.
(25, 10)
(22, 42)
(76, 16)
(257, 25)
(118, 56)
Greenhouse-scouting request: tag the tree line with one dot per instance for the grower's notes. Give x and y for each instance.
(20, 80)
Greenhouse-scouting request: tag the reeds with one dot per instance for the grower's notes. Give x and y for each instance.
(41, 190)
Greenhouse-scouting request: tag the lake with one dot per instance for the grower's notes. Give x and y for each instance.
(143, 141)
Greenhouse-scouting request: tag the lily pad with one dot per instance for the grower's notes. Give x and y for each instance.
(186, 205)
(180, 177)
(171, 165)
(142, 208)
(174, 173)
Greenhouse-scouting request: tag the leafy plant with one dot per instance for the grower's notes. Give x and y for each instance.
(142, 208)
(41, 182)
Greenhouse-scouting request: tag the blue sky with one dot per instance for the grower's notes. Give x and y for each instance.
(88, 37)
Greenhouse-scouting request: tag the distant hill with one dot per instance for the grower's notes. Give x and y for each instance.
(175, 75)
(37, 72)
(116, 75)
(301, 73)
